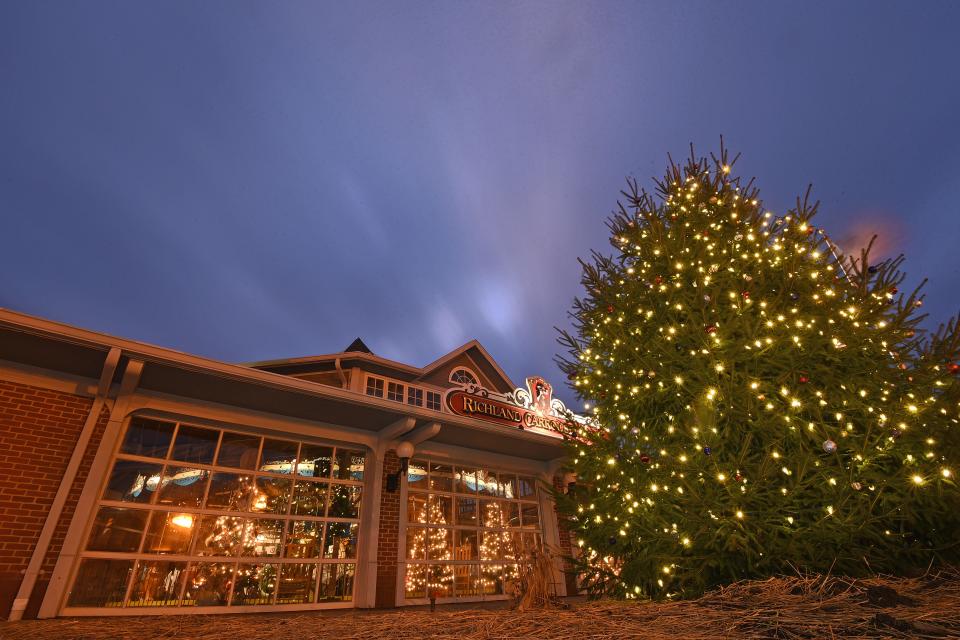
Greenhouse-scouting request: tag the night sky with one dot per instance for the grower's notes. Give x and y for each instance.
(262, 180)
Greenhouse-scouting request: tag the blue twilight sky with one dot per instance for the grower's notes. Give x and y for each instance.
(252, 180)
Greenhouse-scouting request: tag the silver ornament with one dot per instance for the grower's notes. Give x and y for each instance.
(829, 446)
(856, 486)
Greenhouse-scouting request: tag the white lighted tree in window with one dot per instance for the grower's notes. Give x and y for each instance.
(435, 541)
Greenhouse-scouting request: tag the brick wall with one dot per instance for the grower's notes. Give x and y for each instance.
(38, 431)
(388, 537)
(566, 544)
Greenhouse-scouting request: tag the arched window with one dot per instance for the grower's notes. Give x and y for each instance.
(463, 376)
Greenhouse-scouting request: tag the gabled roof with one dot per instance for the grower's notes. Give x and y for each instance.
(358, 351)
(475, 351)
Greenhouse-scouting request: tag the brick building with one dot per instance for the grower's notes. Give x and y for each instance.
(141, 480)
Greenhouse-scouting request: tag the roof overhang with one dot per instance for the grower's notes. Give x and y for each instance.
(65, 349)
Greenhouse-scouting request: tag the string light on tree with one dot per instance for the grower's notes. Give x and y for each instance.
(786, 408)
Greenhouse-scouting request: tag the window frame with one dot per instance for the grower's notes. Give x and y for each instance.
(537, 532)
(191, 558)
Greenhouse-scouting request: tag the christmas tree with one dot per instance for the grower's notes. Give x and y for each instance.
(763, 404)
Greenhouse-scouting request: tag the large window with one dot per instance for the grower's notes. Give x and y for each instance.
(467, 529)
(193, 516)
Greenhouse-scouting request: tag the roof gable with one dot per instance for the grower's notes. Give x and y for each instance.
(474, 356)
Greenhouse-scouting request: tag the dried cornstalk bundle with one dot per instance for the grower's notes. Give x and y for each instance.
(807, 607)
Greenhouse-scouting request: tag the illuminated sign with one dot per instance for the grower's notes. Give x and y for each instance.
(533, 408)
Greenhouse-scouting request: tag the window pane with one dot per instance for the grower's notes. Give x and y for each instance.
(255, 584)
(344, 501)
(117, 529)
(416, 581)
(511, 514)
(219, 535)
(417, 474)
(230, 491)
(336, 582)
(183, 487)
(348, 465)
(439, 511)
(272, 495)
(466, 513)
(530, 515)
(509, 484)
(169, 533)
(375, 387)
(465, 541)
(487, 483)
(298, 582)
(394, 392)
(441, 477)
(416, 543)
(494, 545)
(439, 544)
(491, 514)
(415, 396)
(195, 444)
(526, 487)
(491, 579)
(341, 541)
(417, 507)
(263, 538)
(309, 499)
(465, 582)
(132, 481)
(466, 480)
(439, 580)
(100, 583)
(146, 437)
(531, 541)
(156, 583)
(238, 450)
(304, 539)
(278, 456)
(315, 461)
(433, 400)
(208, 584)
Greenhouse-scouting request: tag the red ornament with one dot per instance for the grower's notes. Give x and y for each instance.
(954, 368)
(609, 308)
(804, 379)
(893, 290)
(658, 279)
(644, 458)
(711, 328)
(738, 477)
(810, 230)
(745, 294)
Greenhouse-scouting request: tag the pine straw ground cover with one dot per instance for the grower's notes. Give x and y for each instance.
(792, 607)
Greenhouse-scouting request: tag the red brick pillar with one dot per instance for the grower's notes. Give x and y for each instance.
(566, 544)
(388, 537)
(38, 432)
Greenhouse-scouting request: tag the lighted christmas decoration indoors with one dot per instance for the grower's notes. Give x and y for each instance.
(766, 404)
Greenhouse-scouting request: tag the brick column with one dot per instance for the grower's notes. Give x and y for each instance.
(566, 544)
(38, 431)
(388, 536)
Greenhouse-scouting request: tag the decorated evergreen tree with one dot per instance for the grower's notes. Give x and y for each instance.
(762, 404)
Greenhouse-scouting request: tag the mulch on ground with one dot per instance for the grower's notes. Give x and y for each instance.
(788, 607)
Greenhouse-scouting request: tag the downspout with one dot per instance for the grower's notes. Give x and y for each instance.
(343, 377)
(32, 571)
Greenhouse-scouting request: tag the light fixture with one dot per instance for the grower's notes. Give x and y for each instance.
(404, 452)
